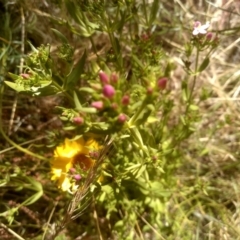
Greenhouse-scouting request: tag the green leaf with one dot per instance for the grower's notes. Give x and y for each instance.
(204, 65)
(194, 107)
(73, 10)
(137, 61)
(76, 72)
(142, 118)
(33, 48)
(88, 110)
(15, 86)
(13, 76)
(87, 90)
(141, 170)
(37, 185)
(154, 11)
(60, 35)
(76, 101)
(33, 198)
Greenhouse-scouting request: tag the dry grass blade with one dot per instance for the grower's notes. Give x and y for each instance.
(83, 196)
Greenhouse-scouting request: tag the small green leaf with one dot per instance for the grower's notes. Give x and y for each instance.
(154, 11)
(33, 198)
(204, 65)
(60, 35)
(15, 86)
(194, 107)
(141, 170)
(13, 76)
(76, 72)
(88, 110)
(87, 90)
(76, 101)
(33, 48)
(37, 185)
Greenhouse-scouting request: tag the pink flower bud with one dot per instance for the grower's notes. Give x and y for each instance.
(72, 170)
(114, 77)
(98, 105)
(108, 91)
(149, 90)
(103, 77)
(114, 106)
(78, 120)
(197, 24)
(77, 177)
(94, 154)
(162, 83)
(125, 100)
(209, 36)
(122, 118)
(25, 75)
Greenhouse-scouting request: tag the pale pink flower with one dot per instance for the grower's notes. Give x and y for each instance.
(199, 28)
(98, 105)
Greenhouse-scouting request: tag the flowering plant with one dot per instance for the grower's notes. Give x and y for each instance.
(121, 138)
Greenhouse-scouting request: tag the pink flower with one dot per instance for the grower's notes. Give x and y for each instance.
(78, 120)
(98, 105)
(77, 177)
(162, 83)
(103, 77)
(122, 118)
(125, 100)
(72, 170)
(108, 91)
(199, 28)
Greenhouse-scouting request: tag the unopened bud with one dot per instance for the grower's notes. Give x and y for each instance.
(25, 75)
(149, 90)
(103, 77)
(209, 36)
(78, 120)
(98, 105)
(114, 106)
(122, 118)
(162, 83)
(108, 91)
(77, 177)
(125, 100)
(72, 170)
(114, 77)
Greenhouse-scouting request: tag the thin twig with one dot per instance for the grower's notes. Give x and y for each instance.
(97, 223)
(11, 231)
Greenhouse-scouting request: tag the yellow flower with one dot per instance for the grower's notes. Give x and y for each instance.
(72, 154)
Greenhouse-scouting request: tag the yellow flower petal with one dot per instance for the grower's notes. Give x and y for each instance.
(69, 154)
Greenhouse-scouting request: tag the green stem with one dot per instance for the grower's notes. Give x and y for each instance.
(62, 90)
(113, 42)
(195, 75)
(194, 82)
